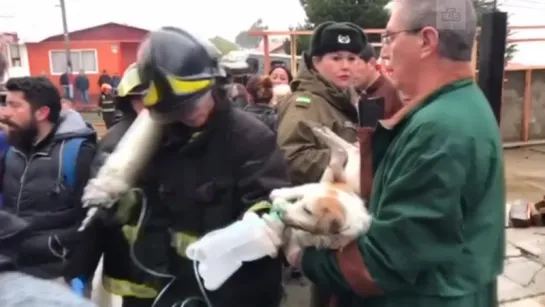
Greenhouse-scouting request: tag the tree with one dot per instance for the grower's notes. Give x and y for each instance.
(485, 6)
(368, 14)
(302, 42)
(364, 13)
(247, 41)
(223, 45)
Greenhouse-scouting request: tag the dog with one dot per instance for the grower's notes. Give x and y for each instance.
(329, 214)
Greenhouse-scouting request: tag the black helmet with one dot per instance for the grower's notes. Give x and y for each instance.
(178, 67)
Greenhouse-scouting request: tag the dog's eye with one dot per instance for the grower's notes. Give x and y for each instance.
(305, 209)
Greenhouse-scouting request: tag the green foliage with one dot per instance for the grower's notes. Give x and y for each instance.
(485, 6)
(302, 42)
(225, 46)
(364, 13)
(369, 14)
(246, 41)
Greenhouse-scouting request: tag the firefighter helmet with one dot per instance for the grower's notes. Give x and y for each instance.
(179, 69)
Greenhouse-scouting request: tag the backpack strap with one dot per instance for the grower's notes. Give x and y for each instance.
(70, 154)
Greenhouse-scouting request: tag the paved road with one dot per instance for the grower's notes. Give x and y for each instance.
(523, 281)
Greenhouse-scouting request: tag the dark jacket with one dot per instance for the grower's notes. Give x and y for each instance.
(65, 79)
(392, 103)
(115, 81)
(82, 83)
(18, 289)
(34, 189)
(207, 180)
(264, 113)
(104, 78)
(12, 232)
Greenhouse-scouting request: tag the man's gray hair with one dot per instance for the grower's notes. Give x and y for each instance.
(455, 21)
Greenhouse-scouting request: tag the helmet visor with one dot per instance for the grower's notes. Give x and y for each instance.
(178, 87)
(128, 83)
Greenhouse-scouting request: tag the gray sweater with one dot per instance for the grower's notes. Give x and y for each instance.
(20, 290)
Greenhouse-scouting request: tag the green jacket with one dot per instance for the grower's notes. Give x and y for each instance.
(438, 204)
(313, 101)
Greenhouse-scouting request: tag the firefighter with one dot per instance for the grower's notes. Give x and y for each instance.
(107, 105)
(113, 238)
(214, 164)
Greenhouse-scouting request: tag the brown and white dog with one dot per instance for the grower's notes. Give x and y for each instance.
(331, 213)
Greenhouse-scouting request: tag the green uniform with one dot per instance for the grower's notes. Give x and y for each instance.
(438, 203)
(313, 101)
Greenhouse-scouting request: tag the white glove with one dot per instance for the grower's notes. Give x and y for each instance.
(222, 252)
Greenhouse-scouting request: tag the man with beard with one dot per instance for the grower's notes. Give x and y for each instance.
(45, 170)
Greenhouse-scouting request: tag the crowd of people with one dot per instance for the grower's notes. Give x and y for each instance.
(432, 173)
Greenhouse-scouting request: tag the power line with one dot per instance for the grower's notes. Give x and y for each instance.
(526, 4)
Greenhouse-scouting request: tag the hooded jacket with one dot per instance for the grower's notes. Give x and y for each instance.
(313, 101)
(264, 113)
(34, 190)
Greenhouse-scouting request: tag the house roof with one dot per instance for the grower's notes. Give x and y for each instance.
(276, 44)
(87, 29)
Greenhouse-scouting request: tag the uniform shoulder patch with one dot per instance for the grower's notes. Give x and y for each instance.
(303, 101)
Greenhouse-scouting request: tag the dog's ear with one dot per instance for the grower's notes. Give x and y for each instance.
(331, 213)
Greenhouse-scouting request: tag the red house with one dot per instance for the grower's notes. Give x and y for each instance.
(111, 47)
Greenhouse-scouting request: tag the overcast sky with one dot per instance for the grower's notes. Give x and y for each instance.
(37, 19)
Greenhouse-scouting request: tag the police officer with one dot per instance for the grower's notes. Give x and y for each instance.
(215, 163)
(320, 94)
(114, 237)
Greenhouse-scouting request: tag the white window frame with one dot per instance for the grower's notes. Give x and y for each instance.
(12, 57)
(95, 52)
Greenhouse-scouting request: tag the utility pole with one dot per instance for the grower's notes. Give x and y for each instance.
(66, 36)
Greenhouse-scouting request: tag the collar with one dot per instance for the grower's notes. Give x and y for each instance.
(379, 82)
(414, 105)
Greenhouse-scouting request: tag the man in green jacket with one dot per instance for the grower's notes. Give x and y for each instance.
(438, 197)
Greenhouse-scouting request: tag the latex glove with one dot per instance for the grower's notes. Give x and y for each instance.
(222, 252)
(247, 240)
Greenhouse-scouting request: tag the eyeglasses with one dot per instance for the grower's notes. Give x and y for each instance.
(387, 38)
